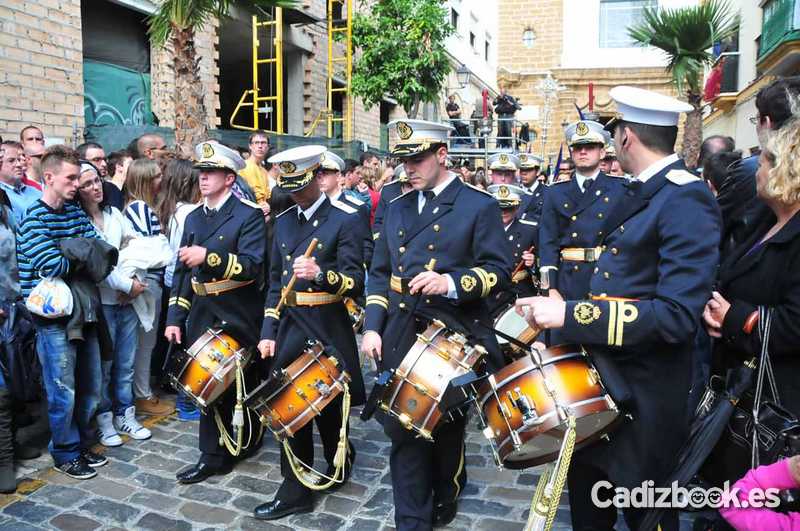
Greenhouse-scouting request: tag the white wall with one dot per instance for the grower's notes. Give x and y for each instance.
(581, 41)
(749, 30)
(480, 18)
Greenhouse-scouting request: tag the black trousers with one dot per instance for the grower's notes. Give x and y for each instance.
(214, 453)
(586, 516)
(504, 130)
(329, 422)
(425, 474)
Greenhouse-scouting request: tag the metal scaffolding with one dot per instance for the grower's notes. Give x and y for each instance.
(257, 95)
(336, 27)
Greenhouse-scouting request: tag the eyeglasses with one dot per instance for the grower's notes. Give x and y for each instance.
(94, 182)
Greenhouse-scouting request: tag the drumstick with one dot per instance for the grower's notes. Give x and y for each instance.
(292, 280)
(521, 263)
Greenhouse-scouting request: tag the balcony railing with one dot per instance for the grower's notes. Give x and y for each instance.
(781, 23)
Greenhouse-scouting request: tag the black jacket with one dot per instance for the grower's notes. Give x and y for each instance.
(90, 261)
(769, 275)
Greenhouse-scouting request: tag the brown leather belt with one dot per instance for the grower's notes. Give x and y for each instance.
(581, 254)
(399, 284)
(204, 289)
(310, 298)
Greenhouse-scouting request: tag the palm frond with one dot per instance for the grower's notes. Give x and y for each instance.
(687, 35)
(185, 14)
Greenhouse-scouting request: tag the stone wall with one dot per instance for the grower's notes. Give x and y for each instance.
(41, 67)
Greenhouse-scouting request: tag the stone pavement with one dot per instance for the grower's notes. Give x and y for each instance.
(137, 490)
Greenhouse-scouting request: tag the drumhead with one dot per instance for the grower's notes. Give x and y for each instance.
(510, 323)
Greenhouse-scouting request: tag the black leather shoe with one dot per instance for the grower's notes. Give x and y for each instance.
(201, 472)
(444, 513)
(276, 509)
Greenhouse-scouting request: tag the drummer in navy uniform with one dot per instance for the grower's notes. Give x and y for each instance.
(521, 235)
(313, 309)
(503, 168)
(218, 284)
(389, 192)
(441, 254)
(649, 288)
(329, 175)
(533, 200)
(573, 215)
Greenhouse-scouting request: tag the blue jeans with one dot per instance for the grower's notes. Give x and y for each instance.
(117, 388)
(72, 378)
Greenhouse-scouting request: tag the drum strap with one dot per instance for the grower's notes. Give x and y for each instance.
(305, 473)
(551, 484)
(235, 443)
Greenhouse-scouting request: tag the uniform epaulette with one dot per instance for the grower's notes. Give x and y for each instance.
(356, 201)
(481, 190)
(343, 206)
(392, 183)
(526, 222)
(400, 196)
(250, 203)
(681, 177)
(285, 211)
(559, 182)
(623, 177)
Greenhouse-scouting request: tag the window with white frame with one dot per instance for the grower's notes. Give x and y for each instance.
(616, 16)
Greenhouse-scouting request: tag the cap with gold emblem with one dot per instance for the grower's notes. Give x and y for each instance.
(331, 161)
(211, 155)
(416, 136)
(297, 166)
(529, 162)
(585, 132)
(611, 153)
(400, 173)
(507, 195)
(504, 161)
(645, 107)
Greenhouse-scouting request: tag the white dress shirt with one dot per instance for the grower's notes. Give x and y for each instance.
(581, 179)
(309, 212)
(656, 167)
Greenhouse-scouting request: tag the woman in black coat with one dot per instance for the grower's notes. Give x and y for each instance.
(765, 271)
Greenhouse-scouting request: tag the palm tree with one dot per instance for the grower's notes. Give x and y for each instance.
(687, 35)
(175, 22)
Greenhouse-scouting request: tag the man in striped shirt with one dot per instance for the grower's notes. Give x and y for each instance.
(71, 370)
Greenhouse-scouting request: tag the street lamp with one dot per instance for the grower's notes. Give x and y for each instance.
(463, 75)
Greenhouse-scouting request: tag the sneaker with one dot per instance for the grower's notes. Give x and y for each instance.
(187, 410)
(93, 459)
(155, 406)
(128, 425)
(78, 468)
(188, 416)
(105, 429)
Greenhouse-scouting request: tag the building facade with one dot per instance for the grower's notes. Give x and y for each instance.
(768, 45)
(579, 43)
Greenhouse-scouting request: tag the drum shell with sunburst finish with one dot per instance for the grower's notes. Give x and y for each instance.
(569, 374)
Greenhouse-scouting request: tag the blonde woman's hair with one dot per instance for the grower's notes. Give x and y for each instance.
(139, 182)
(783, 151)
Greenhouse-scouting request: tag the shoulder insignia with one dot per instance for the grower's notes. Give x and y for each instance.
(681, 177)
(481, 190)
(356, 201)
(401, 196)
(293, 207)
(392, 183)
(344, 207)
(526, 222)
(250, 203)
(560, 182)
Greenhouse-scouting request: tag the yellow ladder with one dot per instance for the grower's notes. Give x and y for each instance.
(335, 63)
(256, 99)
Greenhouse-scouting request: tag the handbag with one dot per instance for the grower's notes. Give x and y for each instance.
(51, 299)
(760, 430)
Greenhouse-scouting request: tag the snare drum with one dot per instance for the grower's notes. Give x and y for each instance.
(512, 324)
(418, 384)
(206, 369)
(306, 386)
(518, 406)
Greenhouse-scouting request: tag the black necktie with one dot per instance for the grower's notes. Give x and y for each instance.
(587, 185)
(211, 212)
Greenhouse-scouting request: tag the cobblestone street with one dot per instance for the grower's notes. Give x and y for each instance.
(137, 489)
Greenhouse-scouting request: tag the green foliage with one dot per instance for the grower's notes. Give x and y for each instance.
(687, 36)
(402, 53)
(192, 14)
